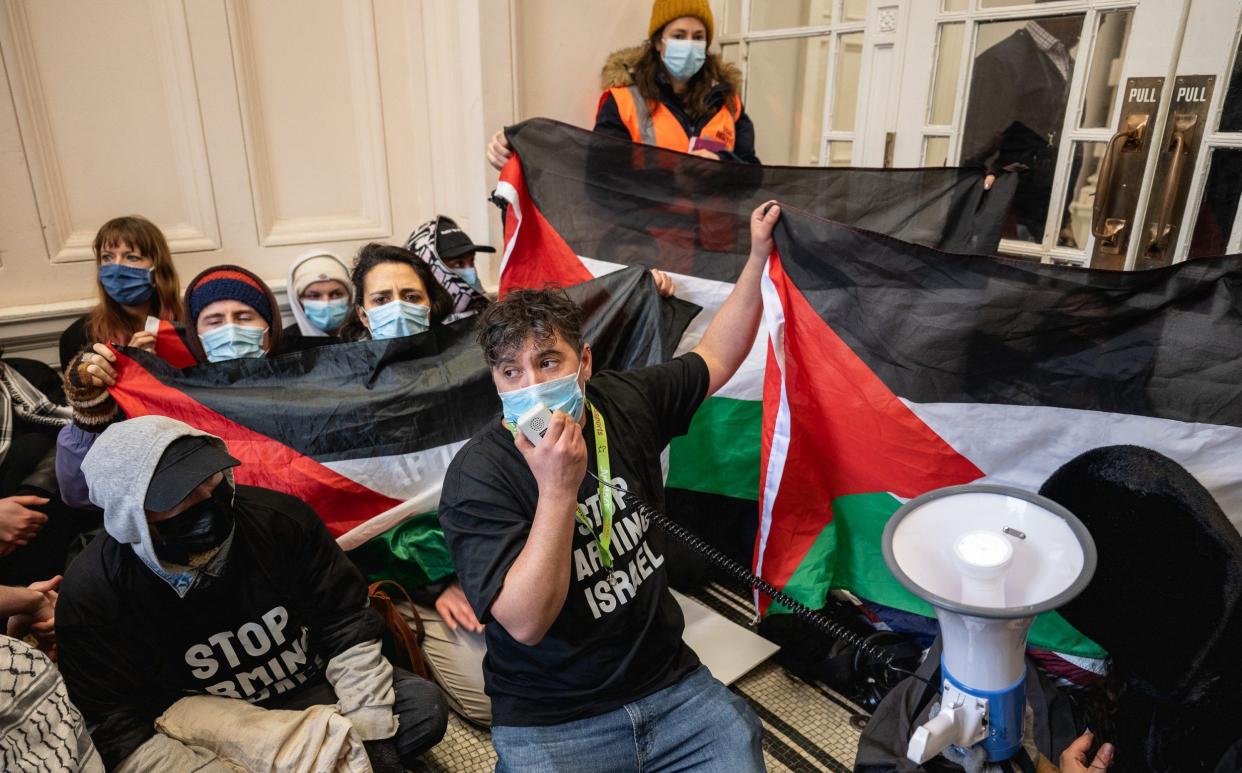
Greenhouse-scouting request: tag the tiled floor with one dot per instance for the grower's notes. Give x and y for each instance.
(464, 748)
(807, 727)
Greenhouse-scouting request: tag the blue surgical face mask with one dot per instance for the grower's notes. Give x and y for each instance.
(397, 319)
(560, 394)
(232, 342)
(684, 58)
(326, 315)
(127, 285)
(471, 275)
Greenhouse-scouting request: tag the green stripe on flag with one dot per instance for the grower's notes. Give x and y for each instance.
(853, 540)
(721, 452)
(814, 574)
(413, 553)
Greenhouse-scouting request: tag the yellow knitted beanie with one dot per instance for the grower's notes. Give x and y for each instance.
(664, 11)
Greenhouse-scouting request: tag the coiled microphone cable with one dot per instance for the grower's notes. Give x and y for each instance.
(820, 621)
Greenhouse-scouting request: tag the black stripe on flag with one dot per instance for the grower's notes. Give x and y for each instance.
(634, 204)
(938, 327)
(384, 398)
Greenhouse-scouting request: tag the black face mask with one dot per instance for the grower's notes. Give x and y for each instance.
(197, 530)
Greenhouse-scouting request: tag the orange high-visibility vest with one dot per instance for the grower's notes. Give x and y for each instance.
(662, 129)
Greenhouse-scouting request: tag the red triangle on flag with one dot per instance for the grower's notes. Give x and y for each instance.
(342, 503)
(535, 255)
(839, 430)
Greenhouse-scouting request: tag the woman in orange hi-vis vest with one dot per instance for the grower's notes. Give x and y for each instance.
(671, 91)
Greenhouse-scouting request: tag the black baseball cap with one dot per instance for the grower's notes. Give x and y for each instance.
(188, 461)
(452, 242)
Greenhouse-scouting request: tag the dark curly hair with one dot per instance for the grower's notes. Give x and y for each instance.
(372, 255)
(524, 314)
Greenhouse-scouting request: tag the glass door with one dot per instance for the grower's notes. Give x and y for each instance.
(801, 60)
(1075, 95)
(1192, 208)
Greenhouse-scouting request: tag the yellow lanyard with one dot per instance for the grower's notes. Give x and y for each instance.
(606, 504)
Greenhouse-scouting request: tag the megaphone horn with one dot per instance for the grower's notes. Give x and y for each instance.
(988, 558)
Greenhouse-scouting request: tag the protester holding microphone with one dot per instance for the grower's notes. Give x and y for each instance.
(585, 660)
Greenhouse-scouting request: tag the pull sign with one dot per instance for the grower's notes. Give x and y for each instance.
(1178, 150)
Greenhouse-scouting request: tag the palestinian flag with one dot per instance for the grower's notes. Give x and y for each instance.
(170, 347)
(364, 431)
(581, 204)
(895, 369)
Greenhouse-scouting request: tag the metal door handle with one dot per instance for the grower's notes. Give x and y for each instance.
(1183, 123)
(1129, 139)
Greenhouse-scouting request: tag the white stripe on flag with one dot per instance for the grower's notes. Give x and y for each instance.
(507, 192)
(774, 317)
(417, 479)
(1022, 445)
(747, 382)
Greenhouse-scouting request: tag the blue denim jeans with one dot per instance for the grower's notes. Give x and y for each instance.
(694, 725)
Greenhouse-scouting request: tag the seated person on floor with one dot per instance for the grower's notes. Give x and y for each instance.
(230, 314)
(450, 253)
(1165, 602)
(36, 528)
(395, 295)
(136, 281)
(37, 721)
(203, 587)
(582, 632)
(320, 299)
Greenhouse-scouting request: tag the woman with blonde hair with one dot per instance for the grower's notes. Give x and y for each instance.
(136, 281)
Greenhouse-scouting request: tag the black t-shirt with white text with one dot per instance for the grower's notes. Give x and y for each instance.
(616, 639)
(286, 601)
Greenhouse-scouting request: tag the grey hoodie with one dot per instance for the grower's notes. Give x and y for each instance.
(118, 471)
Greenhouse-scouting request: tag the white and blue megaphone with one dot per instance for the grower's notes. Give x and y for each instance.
(988, 558)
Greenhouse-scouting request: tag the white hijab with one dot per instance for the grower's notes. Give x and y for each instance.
(317, 265)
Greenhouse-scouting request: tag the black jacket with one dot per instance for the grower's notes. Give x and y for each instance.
(284, 603)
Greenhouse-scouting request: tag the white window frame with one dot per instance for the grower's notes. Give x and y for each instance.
(833, 32)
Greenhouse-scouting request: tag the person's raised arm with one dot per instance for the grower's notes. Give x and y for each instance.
(537, 583)
(730, 335)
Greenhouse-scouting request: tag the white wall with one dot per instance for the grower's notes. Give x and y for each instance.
(248, 130)
(562, 46)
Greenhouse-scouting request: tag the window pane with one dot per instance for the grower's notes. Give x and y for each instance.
(732, 53)
(936, 151)
(1231, 116)
(733, 16)
(786, 80)
(840, 153)
(948, 63)
(1220, 204)
(1105, 75)
(853, 10)
(1016, 109)
(1080, 194)
(784, 14)
(953, 5)
(845, 81)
